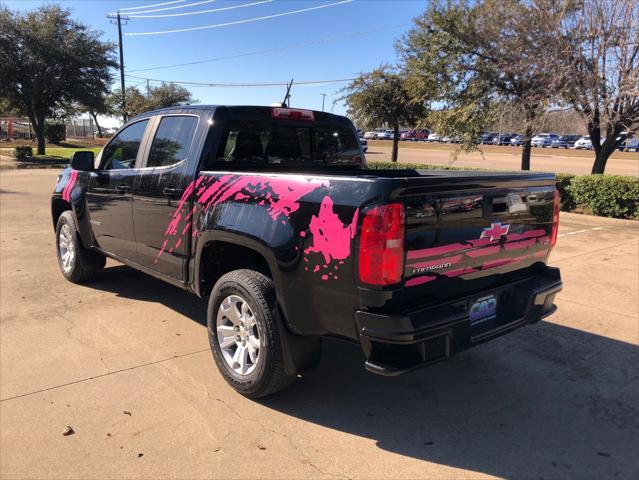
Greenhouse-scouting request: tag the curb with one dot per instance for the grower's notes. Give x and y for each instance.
(594, 220)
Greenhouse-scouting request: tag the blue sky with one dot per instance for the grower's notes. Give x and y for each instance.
(333, 59)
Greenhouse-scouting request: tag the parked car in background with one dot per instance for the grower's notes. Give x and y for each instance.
(417, 135)
(502, 139)
(564, 141)
(421, 135)
(516, 140)
(371, 135)
(485, 138)
(543, 139)
(362, 141)
(584, 143)
(385, 135)
(434, 137)
(630, 145)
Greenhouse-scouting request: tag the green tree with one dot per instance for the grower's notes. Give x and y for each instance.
(50, 61)
(380, 98)
(166, 95)
(479, 54)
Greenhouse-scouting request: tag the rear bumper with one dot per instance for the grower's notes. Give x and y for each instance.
(396, 344)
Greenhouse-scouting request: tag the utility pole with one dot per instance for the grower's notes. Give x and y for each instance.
(323, 98)
(147, 88)
(118, 18)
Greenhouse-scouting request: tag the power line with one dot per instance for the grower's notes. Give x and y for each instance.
(271, 50)
(218, 25)
(176, 7)
(151, 6)
(307, 83)
(199, 12)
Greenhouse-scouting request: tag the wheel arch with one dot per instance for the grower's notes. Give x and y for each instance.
(58, 207)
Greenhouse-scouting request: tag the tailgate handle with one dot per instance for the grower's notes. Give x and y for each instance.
(123, 188)
(511, 203)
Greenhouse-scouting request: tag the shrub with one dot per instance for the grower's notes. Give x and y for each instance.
(414, 166)
(563, 182)
(22, 153)
(55, 132)
(606, 195)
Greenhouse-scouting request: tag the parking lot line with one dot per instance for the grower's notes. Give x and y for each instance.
(581, 231)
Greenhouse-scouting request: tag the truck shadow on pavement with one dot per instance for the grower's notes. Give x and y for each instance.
(546, 401)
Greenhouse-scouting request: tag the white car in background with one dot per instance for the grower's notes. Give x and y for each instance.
(434, 137)
(584, 143)
(372, 135)
(544, 139)
(363, 142)
(385, 135)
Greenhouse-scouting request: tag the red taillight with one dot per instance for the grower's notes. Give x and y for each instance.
(555, 219)
(381, 245)
(292, 114)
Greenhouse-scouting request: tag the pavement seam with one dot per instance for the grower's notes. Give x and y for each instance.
(103, 375)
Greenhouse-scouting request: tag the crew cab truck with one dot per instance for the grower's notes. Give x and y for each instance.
(272, 214)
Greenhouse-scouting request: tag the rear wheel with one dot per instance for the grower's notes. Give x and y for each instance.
(76, 263)
(245, 334)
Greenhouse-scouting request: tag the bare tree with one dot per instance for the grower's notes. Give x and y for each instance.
(601, 65)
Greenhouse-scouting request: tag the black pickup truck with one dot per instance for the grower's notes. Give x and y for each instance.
(272, 213)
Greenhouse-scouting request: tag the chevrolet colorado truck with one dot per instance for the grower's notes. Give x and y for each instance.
(272, 214)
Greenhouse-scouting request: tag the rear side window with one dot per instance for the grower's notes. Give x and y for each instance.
(278, 144)
(172, 141)
(122, 151)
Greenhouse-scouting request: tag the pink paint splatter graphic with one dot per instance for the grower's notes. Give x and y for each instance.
(66, 192)
(514, 242)
(331, 238)
(280, 195)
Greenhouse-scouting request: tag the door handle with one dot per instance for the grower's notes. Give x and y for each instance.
(123, 188)
(172, 191)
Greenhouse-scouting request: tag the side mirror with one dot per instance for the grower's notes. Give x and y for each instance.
(82, 161)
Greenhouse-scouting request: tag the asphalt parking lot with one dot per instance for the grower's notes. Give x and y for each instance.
(125, 361)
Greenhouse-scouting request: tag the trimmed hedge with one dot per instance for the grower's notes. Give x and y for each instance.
(55, 132)
(604, 195)
(22, 153)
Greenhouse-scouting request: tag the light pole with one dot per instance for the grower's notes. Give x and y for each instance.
(323, 98)
(118, 20)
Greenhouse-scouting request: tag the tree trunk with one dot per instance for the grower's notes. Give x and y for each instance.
(603, 153)
(525, 152)
(605, 149)
(395, 142)
(97, 125)
(38, 127)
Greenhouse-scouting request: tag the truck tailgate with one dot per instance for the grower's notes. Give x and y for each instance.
(465, 230)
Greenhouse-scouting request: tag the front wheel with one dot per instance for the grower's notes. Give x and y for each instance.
(245, 335)
(77, 264)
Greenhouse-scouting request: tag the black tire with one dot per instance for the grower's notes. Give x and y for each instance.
(85, 264)
(268, 375)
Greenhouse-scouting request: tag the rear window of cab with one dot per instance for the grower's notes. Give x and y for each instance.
(280, 144)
